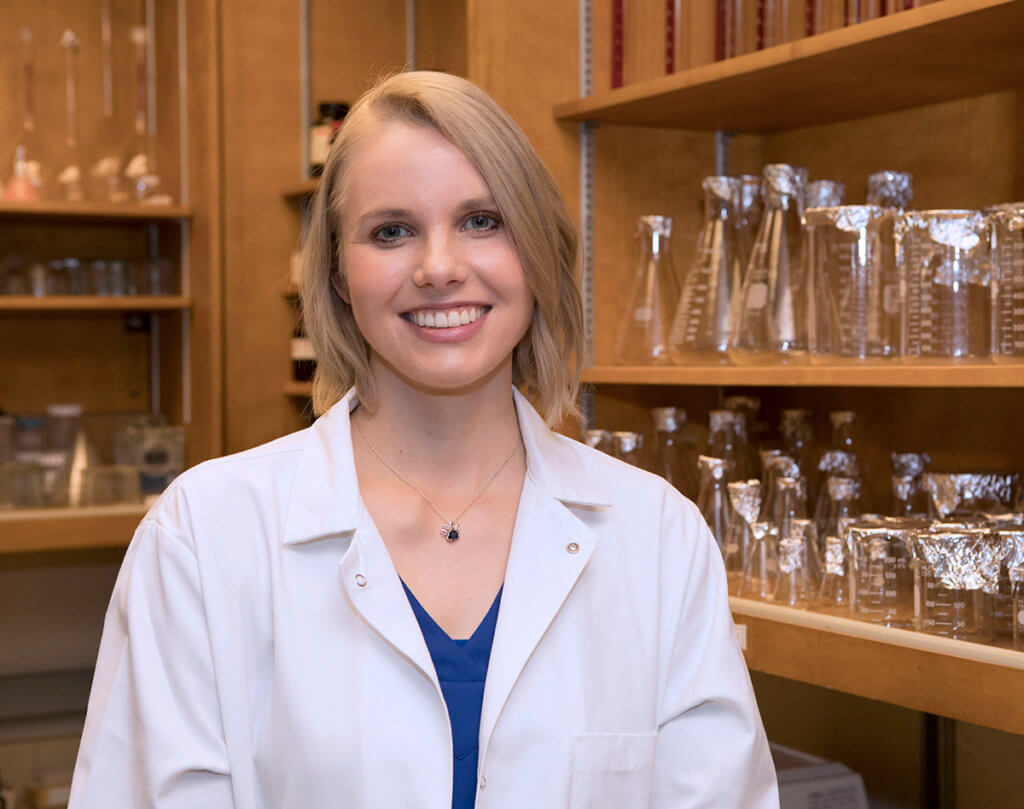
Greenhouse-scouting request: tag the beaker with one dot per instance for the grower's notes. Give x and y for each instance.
(647, 322)
(834, 594)
(711, 501)
(791, 584)
(770, 321)
(945, 260)
(1012, 542)
(966, 494)
(1007, 223)
(1017, 590)
(700, 330)
(675, 459)
(855, 311)
(758, 582)
(881, 565)
(745, 499)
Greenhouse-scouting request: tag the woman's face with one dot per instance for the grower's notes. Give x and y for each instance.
(434, 282)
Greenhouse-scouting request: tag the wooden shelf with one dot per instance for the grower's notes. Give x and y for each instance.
(51, 529)
(93, 303)
(298, 389)
(301, 190)
(92, 211)
(897, 375)
(965, 681)
(941, 51)
(290, 290)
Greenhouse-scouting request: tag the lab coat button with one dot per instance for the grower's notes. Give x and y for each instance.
(572, 547)
(360, 579)
(483, 782)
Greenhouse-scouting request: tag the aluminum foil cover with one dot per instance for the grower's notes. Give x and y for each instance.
(843, 488)
(750, 192)
(716, 466)
(848, 218)
(763, 530)
(745, 497)
(961, 560)
(835, 556)
(825, 194)
(1012, 542)
(767, 455)
(627, 441)
(891, 189)
(718, 419)
(594, 438)
(791, 554)
(977, 491)
(726, 189)
(1007, 216)
(652, 223)
(903, 487)
(911, 464)
(668, 419)
(784, 467)
(838, 462)
(781, 180)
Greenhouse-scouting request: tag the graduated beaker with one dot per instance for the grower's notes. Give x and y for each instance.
(1007, 223)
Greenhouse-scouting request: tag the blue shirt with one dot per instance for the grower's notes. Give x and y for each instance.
(461, 667)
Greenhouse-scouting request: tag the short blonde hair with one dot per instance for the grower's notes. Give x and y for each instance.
(546, 361)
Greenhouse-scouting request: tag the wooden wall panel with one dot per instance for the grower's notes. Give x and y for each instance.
(442, 38)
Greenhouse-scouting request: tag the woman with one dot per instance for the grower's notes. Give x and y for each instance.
(428, 598)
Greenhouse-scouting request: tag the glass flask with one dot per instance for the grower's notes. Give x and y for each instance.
(644, 333)
(758, 582)
(789, 505)
(140, 166)
(813, 551)
(700, 330)
(770, 321)
(797, 428)
(675, 459)
(856, 308)
(747, 408)
(105, 179)
(844, 501)
(70, 181)
(1011, 541)
(882, 570)
(962, 495)
(1017, 590)
(846, 437)
(628, 446)
(944, 257)
(26, 183)
(791, 583)
(834, 593)
(1007, 222)
(779, 466)
(891, 189)
(748, 218)
(824, 194)
(956, 577)
(723, 440)
(599, 440)
(711, 501)
(745, 499)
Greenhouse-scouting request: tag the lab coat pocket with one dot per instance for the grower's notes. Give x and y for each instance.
(612, 770)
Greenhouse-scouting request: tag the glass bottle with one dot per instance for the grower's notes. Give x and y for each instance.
(779, 466)
(140, 171)
(69, 178)
(711, 501)
(846, 437)
(745, 499)
(644, 333)
(747, 409)
(599, 440)
(788, 505)
(723, 441)
(770, 323)
(674, 458)
(797, 428)
(758, 582)
(791, 588)
(844, 502)
(700, 330)
(105, 181)
(834, 593)
(628, 446)
(748, 219)
(825, 194)
(27, 179)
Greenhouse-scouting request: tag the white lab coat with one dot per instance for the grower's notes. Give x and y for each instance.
(259, 651)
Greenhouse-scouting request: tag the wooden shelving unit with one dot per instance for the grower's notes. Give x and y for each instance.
(962, 680)
(53, 529)
(93, 211)
(941, 51)
(903, 375)
(93, 303)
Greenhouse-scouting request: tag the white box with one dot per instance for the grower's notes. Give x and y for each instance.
(810, 782)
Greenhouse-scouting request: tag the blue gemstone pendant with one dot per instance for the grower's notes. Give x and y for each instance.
(450, 531)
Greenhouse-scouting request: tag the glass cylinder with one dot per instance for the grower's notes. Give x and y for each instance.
(944, 258)
(70, 179)
(745, 499)
(675, 459)
(882, 571)
(791, 584)
(646, 326)
(140, 164)
(956, 576)
(825, 194)
(22, 485)
(758, 582)
(856, 306)
(891, 189)
(61, 427)
(599, 440)
(628, 446)
(27, 181)
(712, 499)
(774, 20)
(834, 593)
(702, 322)
(1007, 243)
(770, 323)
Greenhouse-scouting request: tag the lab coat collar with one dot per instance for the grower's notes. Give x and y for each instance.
(325, 497)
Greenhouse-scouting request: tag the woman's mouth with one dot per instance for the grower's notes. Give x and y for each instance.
(446, 318)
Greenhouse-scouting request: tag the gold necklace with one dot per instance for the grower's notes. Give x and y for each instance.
(449, 528)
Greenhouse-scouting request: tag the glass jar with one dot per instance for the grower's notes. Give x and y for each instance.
(647, 321)
(791, 583)
(745, 499)
(1007, 222)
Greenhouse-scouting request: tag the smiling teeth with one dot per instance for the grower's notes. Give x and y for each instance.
(447, 318)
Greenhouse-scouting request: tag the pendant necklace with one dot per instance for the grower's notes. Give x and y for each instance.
(449, 528)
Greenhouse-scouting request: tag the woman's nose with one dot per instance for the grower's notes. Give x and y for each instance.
(440, 263)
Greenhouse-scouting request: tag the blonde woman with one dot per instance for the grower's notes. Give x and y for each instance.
(428, 598)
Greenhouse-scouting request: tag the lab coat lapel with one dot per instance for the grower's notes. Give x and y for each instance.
(550, 548)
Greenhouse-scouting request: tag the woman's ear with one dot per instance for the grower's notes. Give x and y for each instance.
(340, 287)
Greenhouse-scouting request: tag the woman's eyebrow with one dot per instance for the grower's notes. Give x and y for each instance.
(464, 207)
(386, 213)
(475, 204)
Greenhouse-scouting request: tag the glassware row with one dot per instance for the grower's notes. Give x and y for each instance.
(75, 276)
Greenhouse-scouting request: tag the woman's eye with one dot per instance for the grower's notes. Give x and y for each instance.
(482, 221)
(390, 233)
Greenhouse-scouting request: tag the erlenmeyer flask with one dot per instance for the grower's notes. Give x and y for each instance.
(747, 409)
(70, 182)
(825, 194)
(140, 170)
(844, 502)
(813, 551)
(797, 428)
(702, 322)
(675, 459)
(712, 502)
(791, 584)
(644, 333)
(723, 441)
(599, 440)
(105, 181)
(748, 219)
(770, 322)
(628, 446)
(758, 582)
(27, 179)
(846, 437)
(779, 466)
(834, 593)
(745, 499)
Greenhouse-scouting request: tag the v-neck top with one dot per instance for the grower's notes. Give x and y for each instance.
(461, 667)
